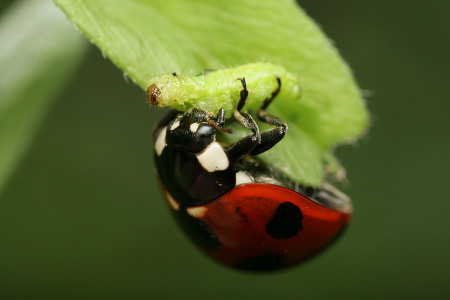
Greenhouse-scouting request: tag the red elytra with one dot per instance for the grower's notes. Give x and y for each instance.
(239, 219)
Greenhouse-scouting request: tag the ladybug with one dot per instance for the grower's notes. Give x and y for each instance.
(233, 207)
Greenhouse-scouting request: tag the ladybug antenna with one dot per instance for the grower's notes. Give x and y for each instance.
(218, 127)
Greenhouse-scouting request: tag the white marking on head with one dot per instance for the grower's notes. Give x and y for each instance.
(194, 127)
(213, 158)
(160, 142)
(175, 125)
(172, 203)
(243, 177)
(197, 212)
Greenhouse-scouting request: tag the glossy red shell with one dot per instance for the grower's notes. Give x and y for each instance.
(239, 219)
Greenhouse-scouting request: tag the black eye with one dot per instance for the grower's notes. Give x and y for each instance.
(205, 130)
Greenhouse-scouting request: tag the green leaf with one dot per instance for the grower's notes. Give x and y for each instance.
(38, 54)
(148, 37)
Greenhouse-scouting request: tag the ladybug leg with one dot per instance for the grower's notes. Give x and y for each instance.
(329, 196)
(242, 147)
(221, 117)
(245, 145)
(244, 118)
(220, 121)
(243, 94)
(271, 137)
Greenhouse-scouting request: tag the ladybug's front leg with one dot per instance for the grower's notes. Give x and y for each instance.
(258, 142)
(271, 137)
(247, 144)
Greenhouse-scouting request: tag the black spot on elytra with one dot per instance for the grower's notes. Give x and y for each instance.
(286, 222)
(268, 262)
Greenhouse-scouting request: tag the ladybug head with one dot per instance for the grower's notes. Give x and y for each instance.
(191, 131)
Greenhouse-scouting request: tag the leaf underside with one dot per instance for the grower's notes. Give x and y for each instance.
(148, 37)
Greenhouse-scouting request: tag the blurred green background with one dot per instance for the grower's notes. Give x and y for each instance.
(82, 218)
